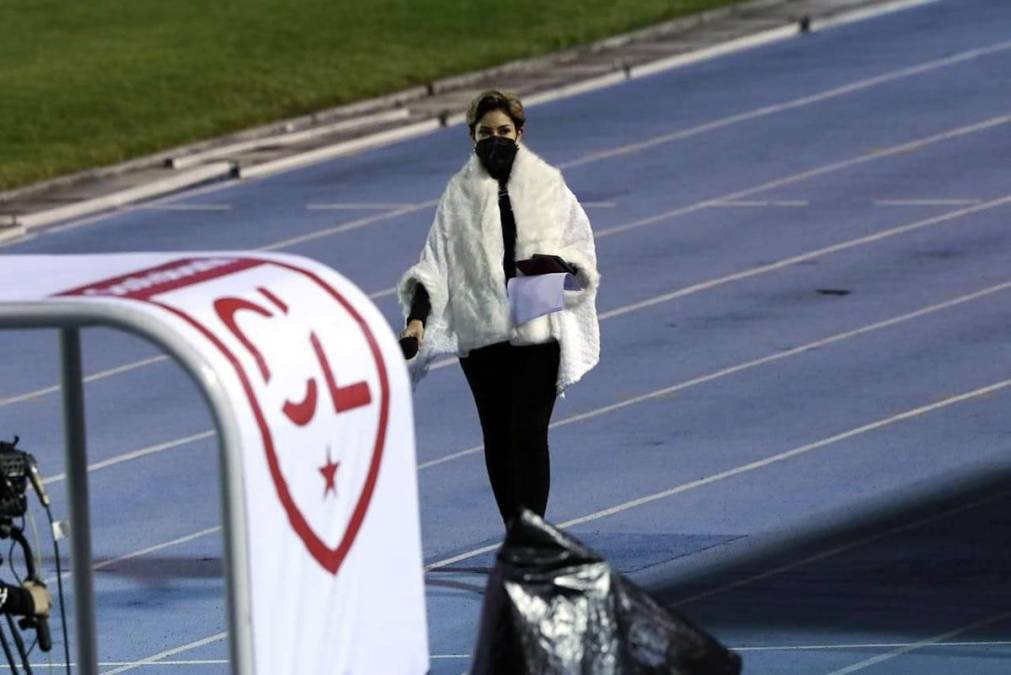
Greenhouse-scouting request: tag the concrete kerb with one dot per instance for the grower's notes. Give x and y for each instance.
(386, 137)
(113, 200)
(292, 138)
(794, 24)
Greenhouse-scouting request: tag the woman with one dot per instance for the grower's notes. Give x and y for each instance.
(505, 205)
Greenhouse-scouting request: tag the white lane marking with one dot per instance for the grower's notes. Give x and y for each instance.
(778, 265)
(157, 547)
(658, 393)
(786, 203)
(749, 467)
(868, 645)
(137, 454)
(598, 205)
(804, 175)
(358, 206)
(38, 393)
(144, 551)
(810, 255)
(851, 87)
(792, 104)
(905, 147)
(924, 311)
(178, 206)
(132, 665)
(740, 367)
(926, 202)
(649, 302)
(779, 182)
(666, 297)
(347, 227)
(919, 645)
(105, 664)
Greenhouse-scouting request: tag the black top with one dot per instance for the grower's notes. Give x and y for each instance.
(421, 305)
(505, 208)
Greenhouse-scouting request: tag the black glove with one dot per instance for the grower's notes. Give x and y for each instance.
(409, 346)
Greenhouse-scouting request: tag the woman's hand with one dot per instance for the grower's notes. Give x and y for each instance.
(415, 329)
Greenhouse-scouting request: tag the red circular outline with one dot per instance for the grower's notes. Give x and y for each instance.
(330, 559)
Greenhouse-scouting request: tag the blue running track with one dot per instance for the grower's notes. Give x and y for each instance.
(798, 433)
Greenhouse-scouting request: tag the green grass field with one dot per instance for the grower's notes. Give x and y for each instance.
(92, 83)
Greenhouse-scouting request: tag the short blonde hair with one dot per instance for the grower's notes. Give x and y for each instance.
(493, 99)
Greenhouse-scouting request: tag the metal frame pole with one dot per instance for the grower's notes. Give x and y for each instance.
(77, 489)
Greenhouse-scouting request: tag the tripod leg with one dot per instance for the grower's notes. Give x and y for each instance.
(20, 644)
(7, 651)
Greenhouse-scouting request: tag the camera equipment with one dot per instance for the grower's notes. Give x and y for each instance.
(17, 469)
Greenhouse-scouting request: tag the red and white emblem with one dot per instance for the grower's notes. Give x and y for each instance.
(322, 425)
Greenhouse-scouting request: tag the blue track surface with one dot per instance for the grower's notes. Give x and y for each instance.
(789, 437)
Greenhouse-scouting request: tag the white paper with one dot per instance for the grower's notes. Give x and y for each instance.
(534, 296)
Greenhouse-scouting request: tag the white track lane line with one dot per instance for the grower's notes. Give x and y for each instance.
(740, 367)
(137, 454)
(179, 206)
(142, 452)
(144, 551)
(849, 88)
(803, 101)
(440, 657)
(658, 393)
(810, 255)
(925, 202)
(743, 204)
(869, 645)
(107, 664)
(54, 389)
(787, 180)
(154, 658)
(910, 146)
(157, 547)
(781, 264)
(698, 206)
(867, 663)
(747, 468)
(666, 391)
(823, 647)
(357, 206)
(348, 227)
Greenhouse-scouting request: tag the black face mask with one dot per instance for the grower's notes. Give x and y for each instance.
(497, 154)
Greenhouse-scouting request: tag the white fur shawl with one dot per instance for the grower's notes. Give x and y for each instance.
(461, 267)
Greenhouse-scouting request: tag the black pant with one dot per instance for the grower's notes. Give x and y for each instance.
(514, 389)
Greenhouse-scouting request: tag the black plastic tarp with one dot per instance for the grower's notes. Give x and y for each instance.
(554, 606)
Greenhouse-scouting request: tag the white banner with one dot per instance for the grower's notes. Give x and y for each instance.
(324, 406)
